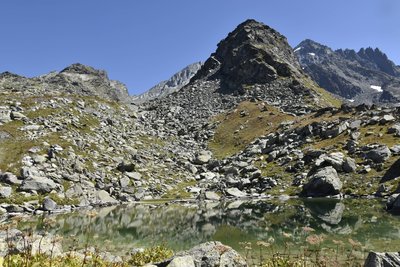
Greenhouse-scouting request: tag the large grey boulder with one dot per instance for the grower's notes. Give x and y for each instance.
(38, 184)
(104, 198)
(10, 178)
(379, 154)
(209, 254)
(393, 204)
(384, 259)
(324, 182)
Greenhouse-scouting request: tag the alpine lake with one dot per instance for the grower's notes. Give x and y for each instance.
(254, 227)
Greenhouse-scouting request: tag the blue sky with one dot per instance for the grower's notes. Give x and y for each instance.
(141, 42)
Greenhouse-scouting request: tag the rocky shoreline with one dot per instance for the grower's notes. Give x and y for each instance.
(209, 254)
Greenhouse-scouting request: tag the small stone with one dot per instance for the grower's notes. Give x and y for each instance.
(103, 197)
(212, 195)
(134, 175)
(124, 182)
(49, 204)
(17, 116)
(234, 192)
(203, 157)
(126, 167)
(182, 261)
(38, 159)
(387, 118)
(349, 165)
(5, 191)
(9, 178)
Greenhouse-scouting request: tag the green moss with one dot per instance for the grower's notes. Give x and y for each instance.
(41, 113)
(179, 191)
(19, 199)
(377, 133)
(284, 179)
(150, 255)
(327, 98)
(63, 201)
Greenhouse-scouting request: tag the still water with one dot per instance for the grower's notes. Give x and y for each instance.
(181, 226)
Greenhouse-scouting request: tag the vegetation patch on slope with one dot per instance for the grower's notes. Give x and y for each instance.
(242, 125)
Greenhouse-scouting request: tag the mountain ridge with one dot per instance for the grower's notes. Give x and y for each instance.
(76, 78)
(366, 76)
(173, 84)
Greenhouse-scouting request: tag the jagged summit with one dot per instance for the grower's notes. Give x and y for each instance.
(312, 47)
(173, 84)
(253, 53)
(366, 76)
(79, 68)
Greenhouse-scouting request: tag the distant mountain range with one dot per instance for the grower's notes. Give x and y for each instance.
(173, 84)
(366, 76)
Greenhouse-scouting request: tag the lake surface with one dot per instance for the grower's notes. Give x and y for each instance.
(181, 226)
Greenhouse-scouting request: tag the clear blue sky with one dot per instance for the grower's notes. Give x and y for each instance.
(141, 42)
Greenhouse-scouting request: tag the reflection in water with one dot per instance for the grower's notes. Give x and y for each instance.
(181, 226)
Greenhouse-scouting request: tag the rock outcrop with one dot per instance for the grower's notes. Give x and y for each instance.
(75, 79)
(386, 259)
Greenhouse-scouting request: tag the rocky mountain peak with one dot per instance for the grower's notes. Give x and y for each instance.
(173, 84)
(380, 60)
(252, 54)
(75, 79)
(82, 69)
(309, 45)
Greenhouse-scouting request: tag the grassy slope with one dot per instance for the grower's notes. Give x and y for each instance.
(235, 132)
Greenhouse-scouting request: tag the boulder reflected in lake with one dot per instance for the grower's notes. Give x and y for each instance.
(328, 210)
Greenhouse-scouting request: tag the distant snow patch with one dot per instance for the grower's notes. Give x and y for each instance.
(377, 88)
(350, 100)
(298, 49)
(312, 54)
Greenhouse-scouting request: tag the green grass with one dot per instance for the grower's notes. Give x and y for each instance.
(227, 143)
(327, 99)
(179, 191)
